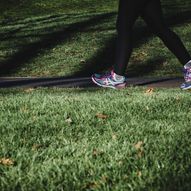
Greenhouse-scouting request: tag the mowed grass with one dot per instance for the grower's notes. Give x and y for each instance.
(90, 139)
(95, 139)
(62, 38)
(14, 9)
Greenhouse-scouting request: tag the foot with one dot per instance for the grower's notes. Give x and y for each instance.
(186, 86)
(187, 76)
(110, 80)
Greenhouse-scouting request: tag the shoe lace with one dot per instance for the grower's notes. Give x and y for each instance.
(107, 74)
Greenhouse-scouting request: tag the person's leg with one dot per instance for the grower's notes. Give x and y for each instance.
(152, 15)
(129, 11)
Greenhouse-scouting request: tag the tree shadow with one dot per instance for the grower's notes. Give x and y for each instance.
(44, 18)
(48, 41)
(140, 69)
(9, 34)
(105, 57)
(24, 24)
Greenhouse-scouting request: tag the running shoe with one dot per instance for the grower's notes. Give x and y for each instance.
(110, 80)
(187, 76)
(186, 86)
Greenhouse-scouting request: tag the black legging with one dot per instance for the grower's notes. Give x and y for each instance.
(151, 12)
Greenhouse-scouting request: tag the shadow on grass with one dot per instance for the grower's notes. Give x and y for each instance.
(45, 18)
(140, 69)
(104, 58)
(49, 41)
(19, 25)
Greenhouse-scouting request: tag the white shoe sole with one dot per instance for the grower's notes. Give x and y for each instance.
(186, 88)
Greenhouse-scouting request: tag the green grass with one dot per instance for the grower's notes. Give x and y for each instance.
(53, 139)
(51, 38)
(11, 9)
(85, 152)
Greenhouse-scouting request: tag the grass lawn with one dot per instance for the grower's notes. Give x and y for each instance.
(90, 139)
(75, 139)
(57, 38)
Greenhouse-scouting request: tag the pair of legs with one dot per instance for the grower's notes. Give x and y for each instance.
(151, 12)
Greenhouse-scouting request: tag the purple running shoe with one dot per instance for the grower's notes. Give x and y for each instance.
(187, 76)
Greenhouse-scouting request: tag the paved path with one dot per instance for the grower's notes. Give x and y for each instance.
(64, 82)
